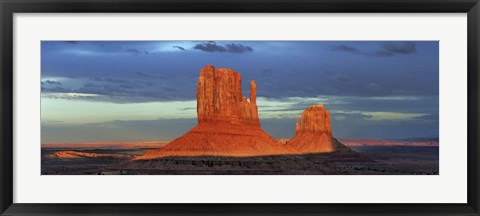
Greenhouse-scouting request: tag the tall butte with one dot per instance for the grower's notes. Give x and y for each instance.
(313, 132)
(228, 123)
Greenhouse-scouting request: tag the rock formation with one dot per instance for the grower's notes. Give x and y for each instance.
(313, 132)
(228, 123)
(78, 154)
(219, 98)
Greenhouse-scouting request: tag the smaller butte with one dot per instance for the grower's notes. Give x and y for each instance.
(313, 132)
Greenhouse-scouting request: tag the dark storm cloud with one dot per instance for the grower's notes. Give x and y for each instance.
(56, 89)
(342, 78)
(402, 48)
(210, 47)
(238, 48)
(386, 49)
(71, 42)
(179, 47)
(105, 90)
(380, 53)
(353, 50)
(310, 75)
(111, 80)
(120, 90)
(346, 48)
(214, 47)
(136, 51)
(103, 48)
(51, 82)
(113, 88)
(90, 85)
(350, 79)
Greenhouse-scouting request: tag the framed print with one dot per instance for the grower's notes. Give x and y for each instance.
(267, 107)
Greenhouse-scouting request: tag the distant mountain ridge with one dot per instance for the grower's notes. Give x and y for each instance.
(393, 142)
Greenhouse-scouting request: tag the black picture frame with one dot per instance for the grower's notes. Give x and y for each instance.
(9, 7)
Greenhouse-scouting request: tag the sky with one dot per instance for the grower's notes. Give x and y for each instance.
(96, 91)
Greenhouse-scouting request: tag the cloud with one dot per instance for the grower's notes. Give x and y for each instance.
(111, 80)
(105, 49)
(56, 89)
(270, 107)
(169, 89)
(146, 75)
(210, 47)
(179, 47)
(69, 95)
(135, 51)
(238, 48)
(328, 73)
(346, 48)
(114, 89)
(189, 108)
(309, 76)
(382, 116)
(431, 117)
(90, 85)
(51, 82)
(386, 49)
(373, 86)
(392, 116)
(72, 42)
(381, 53)
(214, 47)
(139, 87)
(401, 48)
(267, 71)
(342, 78)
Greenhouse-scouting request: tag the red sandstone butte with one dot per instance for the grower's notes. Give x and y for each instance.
(228, 123)
(313, 133)
(219, 98)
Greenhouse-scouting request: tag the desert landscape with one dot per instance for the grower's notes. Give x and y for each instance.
(229, 140)
(355, 160)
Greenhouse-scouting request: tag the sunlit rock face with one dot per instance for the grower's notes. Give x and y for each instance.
(228, 123)
(219, 98)
(313, 132)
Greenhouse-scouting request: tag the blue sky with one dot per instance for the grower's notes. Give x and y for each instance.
(145, 90)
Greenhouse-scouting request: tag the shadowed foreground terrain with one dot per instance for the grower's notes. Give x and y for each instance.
(361, 160)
